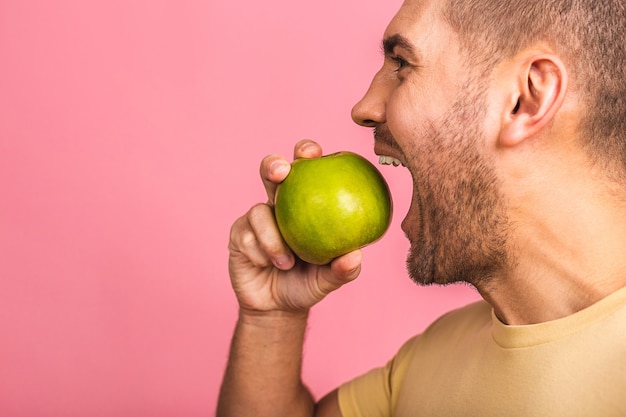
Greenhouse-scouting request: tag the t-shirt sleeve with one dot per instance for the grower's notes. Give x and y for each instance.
(375, 393)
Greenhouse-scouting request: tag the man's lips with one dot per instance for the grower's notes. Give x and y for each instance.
(385, 147)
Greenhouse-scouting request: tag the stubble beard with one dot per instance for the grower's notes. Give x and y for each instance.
(463, 231)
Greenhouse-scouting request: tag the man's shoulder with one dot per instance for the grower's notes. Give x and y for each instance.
(471, 314)
(471, 319)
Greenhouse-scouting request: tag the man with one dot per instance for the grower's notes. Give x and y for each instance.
(510, 117)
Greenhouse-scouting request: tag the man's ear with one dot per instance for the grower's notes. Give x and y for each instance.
(539, 86)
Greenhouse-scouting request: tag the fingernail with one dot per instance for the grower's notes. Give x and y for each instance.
(307, 147)
(283, 262)
(279, 168)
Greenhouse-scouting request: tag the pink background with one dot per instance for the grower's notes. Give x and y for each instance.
(130, 138)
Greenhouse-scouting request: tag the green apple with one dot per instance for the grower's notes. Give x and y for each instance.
(329, 206)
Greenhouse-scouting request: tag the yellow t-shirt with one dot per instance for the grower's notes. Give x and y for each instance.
(468, 363)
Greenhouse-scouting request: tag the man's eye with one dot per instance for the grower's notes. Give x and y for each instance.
(400, 62)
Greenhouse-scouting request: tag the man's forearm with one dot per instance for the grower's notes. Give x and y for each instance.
(263, 377)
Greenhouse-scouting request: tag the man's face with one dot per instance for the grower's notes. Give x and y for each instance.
(429, 112)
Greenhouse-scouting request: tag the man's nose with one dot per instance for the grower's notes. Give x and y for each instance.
(370, 110)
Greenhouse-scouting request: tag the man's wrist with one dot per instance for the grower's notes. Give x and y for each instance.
(273, 317)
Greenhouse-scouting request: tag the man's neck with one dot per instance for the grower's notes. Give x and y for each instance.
(563, 260)
(541, 299)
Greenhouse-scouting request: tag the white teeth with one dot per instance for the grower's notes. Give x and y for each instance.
(388, 160)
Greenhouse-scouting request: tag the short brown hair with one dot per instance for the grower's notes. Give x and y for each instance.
(590, 37)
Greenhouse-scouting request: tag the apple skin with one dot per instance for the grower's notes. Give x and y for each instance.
(329, 206)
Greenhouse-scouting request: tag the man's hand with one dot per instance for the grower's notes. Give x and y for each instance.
(265, 274)
(275, 292)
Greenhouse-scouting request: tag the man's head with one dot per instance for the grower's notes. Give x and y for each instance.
(463, 80)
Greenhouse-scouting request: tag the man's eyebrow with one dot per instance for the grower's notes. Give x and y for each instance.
(397, 40)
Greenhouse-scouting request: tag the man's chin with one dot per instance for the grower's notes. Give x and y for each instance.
(416, 270)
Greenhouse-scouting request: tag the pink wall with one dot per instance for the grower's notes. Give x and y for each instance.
(130, 137)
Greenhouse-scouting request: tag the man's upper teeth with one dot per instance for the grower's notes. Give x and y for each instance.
(388, 160)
